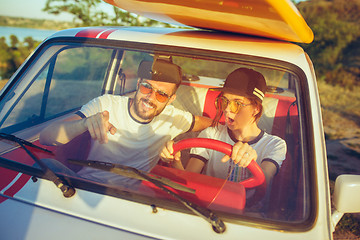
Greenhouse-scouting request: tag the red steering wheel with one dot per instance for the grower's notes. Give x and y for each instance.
(258, 177)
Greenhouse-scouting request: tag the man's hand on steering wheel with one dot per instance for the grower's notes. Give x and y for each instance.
(166, 154)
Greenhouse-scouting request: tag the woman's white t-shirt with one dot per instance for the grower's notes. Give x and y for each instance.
(268, 148)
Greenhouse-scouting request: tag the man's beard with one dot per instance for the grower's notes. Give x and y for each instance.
(145, 115)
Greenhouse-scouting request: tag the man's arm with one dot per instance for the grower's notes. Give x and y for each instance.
(201, 123)
(62, 132)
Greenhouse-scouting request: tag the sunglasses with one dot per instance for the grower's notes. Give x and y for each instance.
(146, 88)
(235, 105)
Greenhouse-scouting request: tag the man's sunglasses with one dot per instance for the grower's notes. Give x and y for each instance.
(146, 88)
(235, 105)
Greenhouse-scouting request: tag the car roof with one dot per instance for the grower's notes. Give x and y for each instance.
(198, 39)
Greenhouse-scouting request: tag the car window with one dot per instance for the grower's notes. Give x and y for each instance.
(67, 76)
(78, 77)
(127, 76)
(29, 107)
(71, 78)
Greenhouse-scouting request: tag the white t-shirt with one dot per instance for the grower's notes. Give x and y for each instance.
(134, 144)
(268, 148)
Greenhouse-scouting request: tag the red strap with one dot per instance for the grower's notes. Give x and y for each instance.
(209, 106)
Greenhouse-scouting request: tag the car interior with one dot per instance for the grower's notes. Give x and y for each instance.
(66, 77)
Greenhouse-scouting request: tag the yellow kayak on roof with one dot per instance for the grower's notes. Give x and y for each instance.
(277, 19)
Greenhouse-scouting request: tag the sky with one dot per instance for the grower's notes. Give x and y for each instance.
(32, 9)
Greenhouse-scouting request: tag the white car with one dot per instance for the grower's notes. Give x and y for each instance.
(74, 66)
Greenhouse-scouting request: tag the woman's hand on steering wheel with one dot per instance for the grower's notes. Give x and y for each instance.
(242, 154)
(258, 177)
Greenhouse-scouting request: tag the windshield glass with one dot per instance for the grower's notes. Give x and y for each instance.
(63, 80)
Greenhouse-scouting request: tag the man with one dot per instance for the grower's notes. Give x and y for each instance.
(130, 131)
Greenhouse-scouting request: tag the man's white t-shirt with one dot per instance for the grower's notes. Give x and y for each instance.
(268, 148)
(134, 144)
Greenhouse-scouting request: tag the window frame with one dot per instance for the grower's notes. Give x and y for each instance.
(306, 127)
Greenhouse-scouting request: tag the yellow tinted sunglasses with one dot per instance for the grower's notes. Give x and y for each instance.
(235, 105)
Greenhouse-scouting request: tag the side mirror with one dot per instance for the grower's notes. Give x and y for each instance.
(346, 196)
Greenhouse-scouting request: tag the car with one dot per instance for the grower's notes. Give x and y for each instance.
(73, 66)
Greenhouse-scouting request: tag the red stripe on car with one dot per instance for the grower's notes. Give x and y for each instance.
(17, 185)
(105, 34)
(90, 33)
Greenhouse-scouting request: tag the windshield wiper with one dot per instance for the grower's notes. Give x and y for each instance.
(67, 190)
(15, 139)
(217, 224)
(129, 172)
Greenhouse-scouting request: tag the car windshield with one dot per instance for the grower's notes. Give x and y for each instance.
(63, 77)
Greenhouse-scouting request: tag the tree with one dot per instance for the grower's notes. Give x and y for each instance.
(11, 57)
(83, 10)
(336, 26)
(14, 41)
(87, 13)
(30, 42)
(124, 18)
(5, 57)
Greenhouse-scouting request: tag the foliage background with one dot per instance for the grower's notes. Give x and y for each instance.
(335, 50)
(335, 53)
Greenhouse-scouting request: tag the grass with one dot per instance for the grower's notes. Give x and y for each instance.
(2, 83)
(341, 116)
(340, 107)
(349, 225)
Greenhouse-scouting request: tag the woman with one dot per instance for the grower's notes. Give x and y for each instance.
(240, 101)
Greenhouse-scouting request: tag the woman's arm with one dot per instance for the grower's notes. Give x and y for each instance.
(269, 170)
